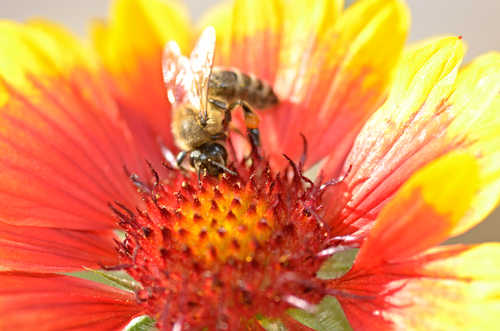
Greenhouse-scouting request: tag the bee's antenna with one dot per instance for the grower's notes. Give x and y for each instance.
(222, 167)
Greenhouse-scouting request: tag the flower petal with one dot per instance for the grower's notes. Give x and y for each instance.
(398, 283)
(292, 324)
(423, 213)
(246, 30)
(426, 116)
(53, 250)
(63, 143)
(56, 302)
(339, 80)
(479, 127)
(130, 46)
(445, 288)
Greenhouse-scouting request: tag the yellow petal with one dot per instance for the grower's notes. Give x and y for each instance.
(476, 104)
(139, 28)
(485, 145)
(368, 24)
(459, 292)
(425, 79)
(414, 46)
(442, 185)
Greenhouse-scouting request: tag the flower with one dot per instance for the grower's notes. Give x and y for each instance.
(401, 173)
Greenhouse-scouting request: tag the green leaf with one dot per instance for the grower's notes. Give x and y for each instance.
(142, 323)
(271, 324)
(329, 316)
(338, 265)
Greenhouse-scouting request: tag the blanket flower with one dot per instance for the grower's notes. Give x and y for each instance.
(408, 149)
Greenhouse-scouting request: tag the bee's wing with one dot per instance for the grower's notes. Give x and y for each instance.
(202, 60)
(177, 74)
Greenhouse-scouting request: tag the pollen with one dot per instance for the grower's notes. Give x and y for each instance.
(224, 250)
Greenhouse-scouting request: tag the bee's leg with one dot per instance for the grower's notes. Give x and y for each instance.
(219, 136)
(180, 157)
(255, 136)
(251, 119)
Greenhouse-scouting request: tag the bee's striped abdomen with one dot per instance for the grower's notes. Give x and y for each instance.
(231, 85)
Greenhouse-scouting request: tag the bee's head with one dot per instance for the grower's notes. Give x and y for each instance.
(212, 158)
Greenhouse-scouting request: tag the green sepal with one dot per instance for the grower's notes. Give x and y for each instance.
(142, 323)
(126, 284)
(338, 265)
(328, 317)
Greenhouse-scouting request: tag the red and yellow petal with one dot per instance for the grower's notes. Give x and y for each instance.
(445, 288)
(330, 69)
(130, 46)
(429, 113)
(38, 249)
(354, 77)
(247, 30)
(63, 143)
(424, 212)
(56, 302)
(339, 80)
(398, 282)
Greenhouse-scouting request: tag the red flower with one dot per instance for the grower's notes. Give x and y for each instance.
(240, 251)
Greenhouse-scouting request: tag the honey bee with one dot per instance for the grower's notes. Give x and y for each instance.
(202, 98)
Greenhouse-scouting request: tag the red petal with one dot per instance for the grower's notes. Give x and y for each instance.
(54, 250)
(292, 324)
(55, 302)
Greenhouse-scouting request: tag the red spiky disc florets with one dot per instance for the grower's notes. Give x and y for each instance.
(214, 254)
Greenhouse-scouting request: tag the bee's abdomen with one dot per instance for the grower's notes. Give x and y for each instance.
(231, 85)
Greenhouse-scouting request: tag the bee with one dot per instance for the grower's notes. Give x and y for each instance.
(202, 98)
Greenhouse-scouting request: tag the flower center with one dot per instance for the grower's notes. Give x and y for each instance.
(228, 220)
(223, 250)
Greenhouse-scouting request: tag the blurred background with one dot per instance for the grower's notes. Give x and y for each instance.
(477, 21)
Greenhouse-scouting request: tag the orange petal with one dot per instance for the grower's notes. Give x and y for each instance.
(53, 250)
(130, 46)
(56, 302)
(427, 115)
(63, 143)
